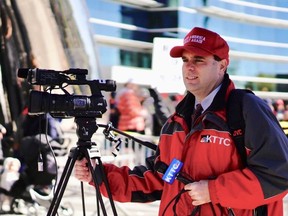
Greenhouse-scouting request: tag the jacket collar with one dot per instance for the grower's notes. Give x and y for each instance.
(185, 107)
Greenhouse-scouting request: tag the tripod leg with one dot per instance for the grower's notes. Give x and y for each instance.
(99, 196)
(65, 177)
(104, 177)
(63, 182)
(83, 199)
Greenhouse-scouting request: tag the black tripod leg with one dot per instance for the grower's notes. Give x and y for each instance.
(73, 155)
(83, 198)
(104, 177)
(96, 184)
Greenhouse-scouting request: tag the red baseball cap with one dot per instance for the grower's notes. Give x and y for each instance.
(203, 42)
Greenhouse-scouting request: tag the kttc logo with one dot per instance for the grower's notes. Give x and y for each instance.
(215, 140)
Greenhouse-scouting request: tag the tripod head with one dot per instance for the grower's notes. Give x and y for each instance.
(86, 127)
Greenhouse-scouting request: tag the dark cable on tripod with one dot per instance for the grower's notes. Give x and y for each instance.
(83, 199)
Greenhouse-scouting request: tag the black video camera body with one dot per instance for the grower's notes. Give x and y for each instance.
(65, 105)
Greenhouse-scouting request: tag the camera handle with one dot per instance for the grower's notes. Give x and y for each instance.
(86, 127)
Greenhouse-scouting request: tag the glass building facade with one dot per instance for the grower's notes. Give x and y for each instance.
(256, 30)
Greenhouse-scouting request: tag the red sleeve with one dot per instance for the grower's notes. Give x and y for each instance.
(124, 182)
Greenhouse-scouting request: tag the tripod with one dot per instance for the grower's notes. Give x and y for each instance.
(86, 127)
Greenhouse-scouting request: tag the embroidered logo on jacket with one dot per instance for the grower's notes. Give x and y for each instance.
(215, 139)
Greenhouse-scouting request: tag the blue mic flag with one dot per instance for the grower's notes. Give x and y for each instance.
(172, 171)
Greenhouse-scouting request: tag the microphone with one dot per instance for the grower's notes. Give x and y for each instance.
(172, 172)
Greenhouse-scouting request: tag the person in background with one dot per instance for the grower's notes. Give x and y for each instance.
(284, 122)
(160, 111)
(279, 109)
(2, 133)
(131, 112)
(114, 114)
(147, 109)
(36, 124)
(214, 180)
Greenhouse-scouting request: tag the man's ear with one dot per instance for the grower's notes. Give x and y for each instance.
(223, 65)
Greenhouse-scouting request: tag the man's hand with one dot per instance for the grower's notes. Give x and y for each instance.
(198, 192)
(81, 170)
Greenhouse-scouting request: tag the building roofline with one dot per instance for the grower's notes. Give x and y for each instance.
(256, 5)
(146, 47)
(241, 17)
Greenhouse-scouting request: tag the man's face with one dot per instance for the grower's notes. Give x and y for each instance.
(202, 74)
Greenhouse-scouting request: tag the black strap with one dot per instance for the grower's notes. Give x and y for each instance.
(261, 211)
(236, 121)
(236, 124)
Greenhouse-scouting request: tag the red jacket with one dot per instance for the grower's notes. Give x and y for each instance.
(131, 111)
(208, 152)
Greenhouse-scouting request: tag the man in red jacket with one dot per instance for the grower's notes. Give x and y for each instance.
(130, 108)
(213, 180)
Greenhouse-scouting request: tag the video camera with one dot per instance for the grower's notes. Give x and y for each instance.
(65, 105)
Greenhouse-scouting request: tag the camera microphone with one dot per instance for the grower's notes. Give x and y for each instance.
(172, 172)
